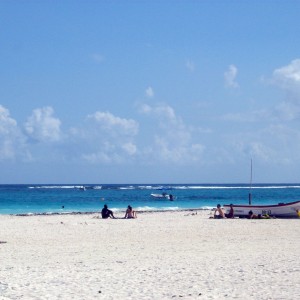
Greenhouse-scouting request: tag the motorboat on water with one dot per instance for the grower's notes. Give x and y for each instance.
(280, 210)
(163, 196)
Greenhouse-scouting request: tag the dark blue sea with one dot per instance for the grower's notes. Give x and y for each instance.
(36, 199)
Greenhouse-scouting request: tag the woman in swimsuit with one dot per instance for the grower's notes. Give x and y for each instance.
(130, 213)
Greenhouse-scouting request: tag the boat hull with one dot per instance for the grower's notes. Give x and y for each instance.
(161, 196)
(280, 210)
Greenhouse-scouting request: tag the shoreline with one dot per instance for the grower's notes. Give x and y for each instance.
(99, 212)
(193, 210)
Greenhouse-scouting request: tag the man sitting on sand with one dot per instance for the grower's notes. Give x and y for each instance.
(219, 213)
(130, 213)
(106, 213)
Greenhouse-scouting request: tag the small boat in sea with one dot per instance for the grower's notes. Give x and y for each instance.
(280, 210)
(163, 196)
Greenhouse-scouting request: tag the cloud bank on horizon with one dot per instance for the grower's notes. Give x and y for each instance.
(112, 139)
(124, 99)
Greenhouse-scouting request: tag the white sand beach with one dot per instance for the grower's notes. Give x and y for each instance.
(162, 255)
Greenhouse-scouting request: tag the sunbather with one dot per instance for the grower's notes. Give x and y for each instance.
(219, 213)
(130, 213)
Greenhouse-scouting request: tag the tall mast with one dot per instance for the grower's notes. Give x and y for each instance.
(250, 195)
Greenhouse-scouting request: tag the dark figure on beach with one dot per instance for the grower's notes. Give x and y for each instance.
(106, 213)
(251, 215)
(219, 214)
(130, 213)
(231, 212)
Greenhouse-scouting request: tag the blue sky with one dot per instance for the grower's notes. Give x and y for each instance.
(149, 91)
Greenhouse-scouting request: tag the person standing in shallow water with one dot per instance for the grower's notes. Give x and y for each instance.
(107, 213)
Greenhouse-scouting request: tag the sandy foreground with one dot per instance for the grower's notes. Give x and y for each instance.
(162, 255)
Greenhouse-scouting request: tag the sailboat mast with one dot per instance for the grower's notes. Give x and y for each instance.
(250, 195)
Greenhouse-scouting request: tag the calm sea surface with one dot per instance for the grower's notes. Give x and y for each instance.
(27, 199)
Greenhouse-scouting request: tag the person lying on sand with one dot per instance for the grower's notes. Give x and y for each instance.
(219, 213)
(266, 216)
(251, 215)
(130, 213)
(106, 213)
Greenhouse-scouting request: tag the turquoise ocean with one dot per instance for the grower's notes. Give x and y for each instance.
(75, 198)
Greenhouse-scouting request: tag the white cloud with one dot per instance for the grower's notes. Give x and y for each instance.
(230, 77)
(7, 124)
(288, 76)
(42, 126)
(183, 152)
(12, 142)
(150, 92)
(257, 150)
(275, 144)
(108, 121)
(108, 139)
(110, 152)
(288, 111)
(161, 110)
(130, 148)
(8, 129)
(173, 140)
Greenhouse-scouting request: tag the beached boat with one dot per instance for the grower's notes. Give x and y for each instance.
(280, 210)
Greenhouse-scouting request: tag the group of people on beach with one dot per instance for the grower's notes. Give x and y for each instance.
(107, 213)
(251, 215)
(219, 214)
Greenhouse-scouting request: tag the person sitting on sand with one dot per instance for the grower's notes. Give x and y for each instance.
(130, 213)
(219, 214)
(231, 212)
(106, 213)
